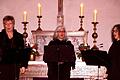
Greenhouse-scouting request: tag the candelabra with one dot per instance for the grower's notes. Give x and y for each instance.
(39, 21)
(25, 34)
(94, 35)
(81, 23)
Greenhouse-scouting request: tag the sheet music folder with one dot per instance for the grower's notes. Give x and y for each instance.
(95, 57)
(62, 53)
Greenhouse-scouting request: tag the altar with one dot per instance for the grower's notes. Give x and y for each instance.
(38, 69)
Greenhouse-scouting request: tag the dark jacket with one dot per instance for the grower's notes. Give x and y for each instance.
(60, 57)
(60, 51)
(114, 66)
(12, 50)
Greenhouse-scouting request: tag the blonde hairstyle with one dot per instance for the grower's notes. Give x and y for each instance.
(55, 35)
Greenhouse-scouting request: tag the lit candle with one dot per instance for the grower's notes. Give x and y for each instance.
(95, 16)
(81, 9)
(25, 16)
(32, 57)
(39, 9)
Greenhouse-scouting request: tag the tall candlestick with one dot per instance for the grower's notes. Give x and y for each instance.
(95, 16)
(81, 9)
(25, 16)
(39, 9)
(25, 34)
(94, 35)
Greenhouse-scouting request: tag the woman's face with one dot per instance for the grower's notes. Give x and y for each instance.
(61, 34)
(8, 25)
(116, 33)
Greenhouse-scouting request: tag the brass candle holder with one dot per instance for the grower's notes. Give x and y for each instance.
(39, 21)
(94, 35)
(25, 34)
(81, 23)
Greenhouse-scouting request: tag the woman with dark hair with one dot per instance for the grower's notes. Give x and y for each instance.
(62, 56)
(12, 60)
(114, 54)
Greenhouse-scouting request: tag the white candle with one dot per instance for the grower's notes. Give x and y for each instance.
(95, 16)
(39, 9)
(81, 9)
(32, 57)
(25, 16)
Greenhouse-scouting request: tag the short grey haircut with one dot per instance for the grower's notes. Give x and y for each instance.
(55, 35)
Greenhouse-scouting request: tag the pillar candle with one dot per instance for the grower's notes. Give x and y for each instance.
(32, 57)
(81, 9)
(39, 9)
(25, 16)
(95, 16)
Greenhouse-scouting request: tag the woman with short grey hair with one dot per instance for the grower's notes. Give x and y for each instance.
(60, 56)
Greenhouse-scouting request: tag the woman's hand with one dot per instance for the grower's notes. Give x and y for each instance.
(22, 70)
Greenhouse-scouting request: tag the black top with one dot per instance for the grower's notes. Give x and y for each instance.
(59, 51)
(12, 50)
(114, 67)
